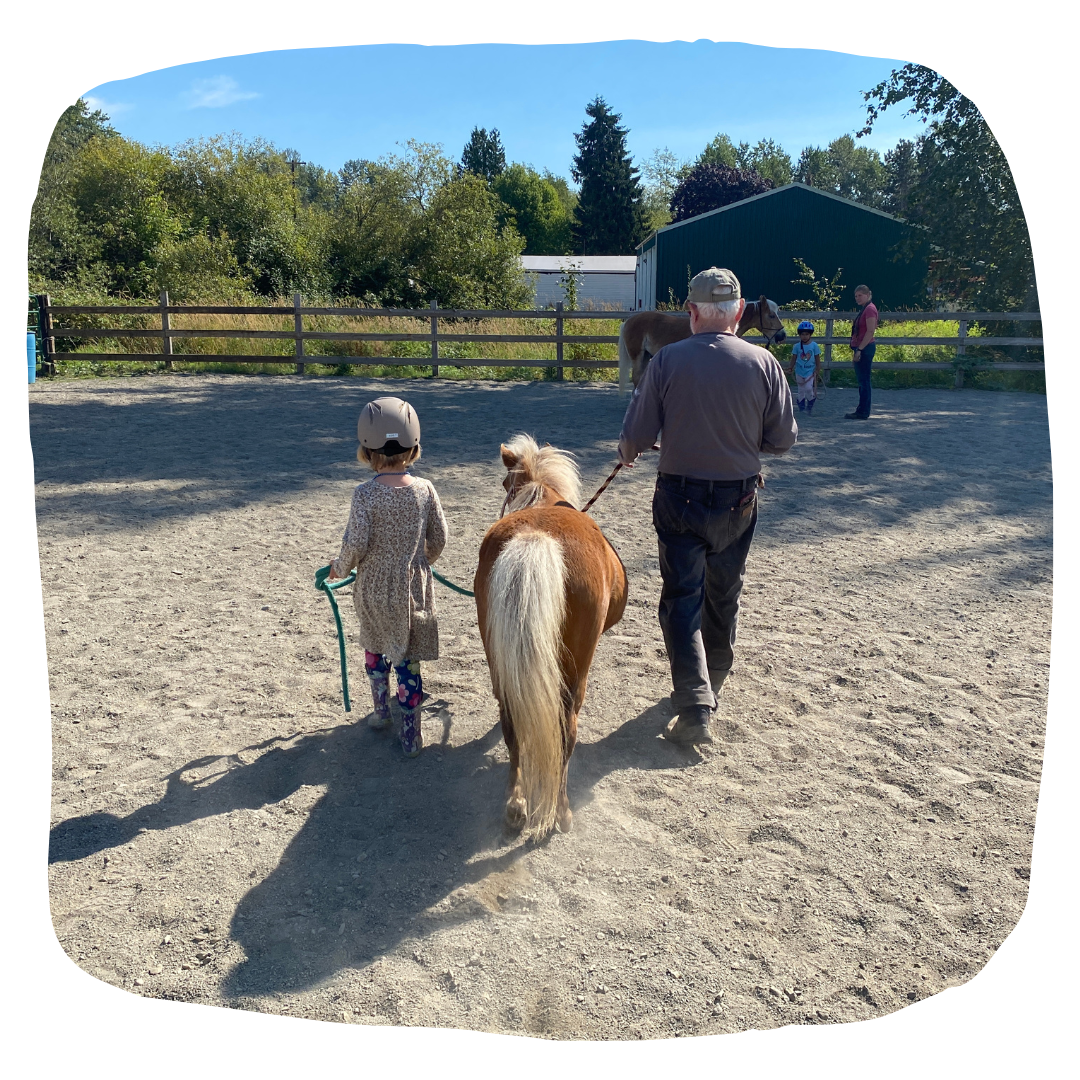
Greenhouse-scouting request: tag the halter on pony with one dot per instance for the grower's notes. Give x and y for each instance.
(776, 337)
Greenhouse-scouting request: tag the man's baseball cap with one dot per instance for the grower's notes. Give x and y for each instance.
(714, 286)
(388, 419)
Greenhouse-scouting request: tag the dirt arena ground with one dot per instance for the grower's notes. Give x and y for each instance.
(857, 838)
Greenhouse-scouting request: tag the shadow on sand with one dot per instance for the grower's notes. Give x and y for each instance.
(388, 840)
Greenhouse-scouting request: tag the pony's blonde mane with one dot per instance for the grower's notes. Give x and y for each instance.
(542, 468)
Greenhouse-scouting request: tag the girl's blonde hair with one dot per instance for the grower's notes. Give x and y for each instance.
(378, 460)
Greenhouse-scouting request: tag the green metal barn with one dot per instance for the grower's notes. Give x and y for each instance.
(759, 238)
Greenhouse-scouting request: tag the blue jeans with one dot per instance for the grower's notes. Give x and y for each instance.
(862, 373)
(703, 535)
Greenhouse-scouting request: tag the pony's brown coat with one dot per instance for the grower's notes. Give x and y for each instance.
(595, 587)
(649, 331)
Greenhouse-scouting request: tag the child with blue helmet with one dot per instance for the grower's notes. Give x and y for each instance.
(806, 365)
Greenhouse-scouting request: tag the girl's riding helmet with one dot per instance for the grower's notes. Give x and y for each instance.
(388, 420)
(806, 324)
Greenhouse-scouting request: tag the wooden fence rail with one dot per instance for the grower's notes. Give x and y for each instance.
(49, 313)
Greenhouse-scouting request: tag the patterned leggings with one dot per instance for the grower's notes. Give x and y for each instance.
(410, 687)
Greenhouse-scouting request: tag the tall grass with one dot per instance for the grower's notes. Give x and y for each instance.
(346, 357)
(494, 359)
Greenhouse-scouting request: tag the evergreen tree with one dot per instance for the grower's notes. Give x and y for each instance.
(902, 171)
(609, 218)
(484, 154)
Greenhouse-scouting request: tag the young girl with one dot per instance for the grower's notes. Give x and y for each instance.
(396, 529)
(806, 363)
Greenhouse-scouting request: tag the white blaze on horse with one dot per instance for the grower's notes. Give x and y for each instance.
(643, 335)
(547, 586)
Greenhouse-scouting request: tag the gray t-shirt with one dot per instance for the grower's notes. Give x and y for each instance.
(719, 401)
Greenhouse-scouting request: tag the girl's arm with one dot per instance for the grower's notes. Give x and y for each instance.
(435, 535)
(868, 335)
(354, 543)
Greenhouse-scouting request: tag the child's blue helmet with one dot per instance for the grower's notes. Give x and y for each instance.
(806, 324)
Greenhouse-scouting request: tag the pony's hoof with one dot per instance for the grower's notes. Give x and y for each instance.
(564, 822)
(514, 816)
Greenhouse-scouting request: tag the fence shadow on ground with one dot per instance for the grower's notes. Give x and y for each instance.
(238, 441)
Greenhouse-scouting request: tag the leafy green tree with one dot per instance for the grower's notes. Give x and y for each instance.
(218, 219)
(853, 172)
(568, 197)
(661, 173)
(483, 154)
(199, 267)
(116, 189)
(719, 151)
(535, 210)
(609, 218)
(708, 187)
(460, 254)
(245, 190)
(768, 159)
(964, 195)
(372, 221)
(59, 246)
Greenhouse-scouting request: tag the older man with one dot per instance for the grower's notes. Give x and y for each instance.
(720, 402)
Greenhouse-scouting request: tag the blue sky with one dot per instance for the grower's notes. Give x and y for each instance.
(334, 104)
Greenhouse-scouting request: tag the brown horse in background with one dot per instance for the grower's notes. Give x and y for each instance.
(547, 586)
(643, 335)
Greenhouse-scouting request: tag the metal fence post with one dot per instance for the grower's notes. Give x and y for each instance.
(298, 330)
(434, 339)
(961, 349)
(558, 340)
(828, 352)
(166, 340)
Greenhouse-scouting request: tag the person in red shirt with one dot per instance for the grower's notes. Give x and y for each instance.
(862, 349)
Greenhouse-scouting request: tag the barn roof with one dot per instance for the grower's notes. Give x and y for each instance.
(583, 264)
(767, 195)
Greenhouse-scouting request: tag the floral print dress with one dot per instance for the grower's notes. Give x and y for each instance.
(393, 535)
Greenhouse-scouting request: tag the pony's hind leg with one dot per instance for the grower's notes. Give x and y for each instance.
(564, 817)
(515, 813)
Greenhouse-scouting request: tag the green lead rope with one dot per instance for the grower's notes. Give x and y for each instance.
(328, 587)
(449, 584)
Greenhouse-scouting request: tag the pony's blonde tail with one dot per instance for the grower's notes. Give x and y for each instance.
(626, 362)
(526, 606)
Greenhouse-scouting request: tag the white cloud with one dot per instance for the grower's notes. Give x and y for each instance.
(110, 108)
(215, 93)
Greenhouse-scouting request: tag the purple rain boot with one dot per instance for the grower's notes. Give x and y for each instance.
(378, 672)
(410, 694)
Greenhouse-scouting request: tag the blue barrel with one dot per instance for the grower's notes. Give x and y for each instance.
(31, 355)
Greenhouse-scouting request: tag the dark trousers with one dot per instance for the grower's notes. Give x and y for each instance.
(703, 537)
(862, 373)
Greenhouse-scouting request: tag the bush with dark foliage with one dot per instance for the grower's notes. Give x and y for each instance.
(708, 187)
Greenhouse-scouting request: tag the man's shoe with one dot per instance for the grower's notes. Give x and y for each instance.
(692, 727)
(855, 416)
